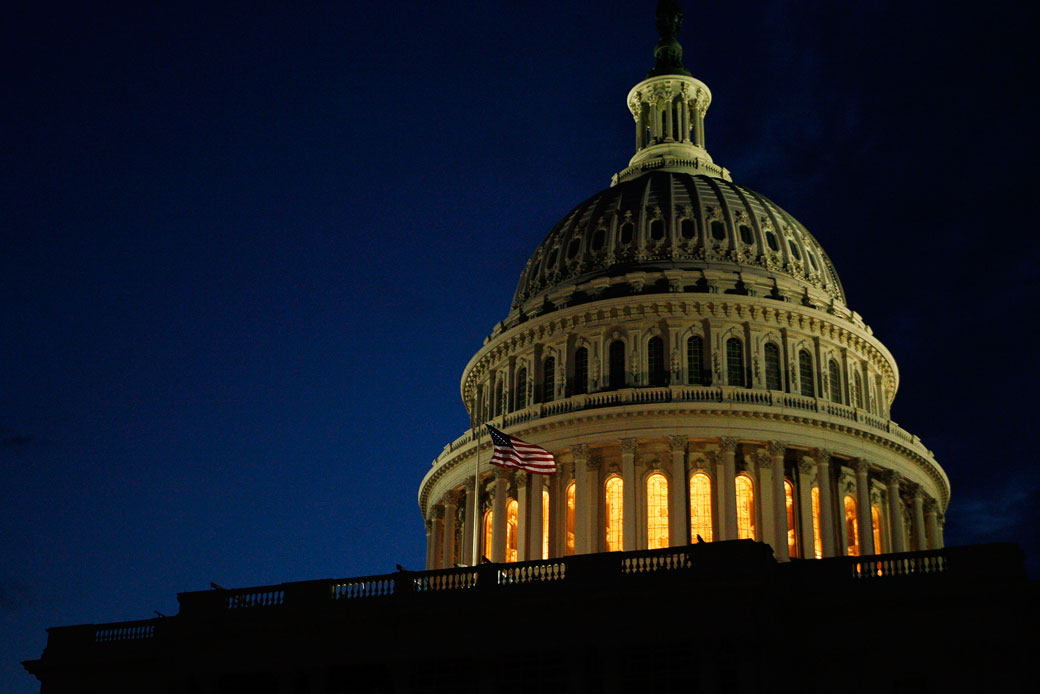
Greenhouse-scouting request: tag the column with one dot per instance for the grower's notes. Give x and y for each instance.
(728, 488)
(764, 492)
(685, 120)
(639, 128)
(866, 524)
(669, 131)
(940, 521)
(917, 518)
(678, 514)
(628, 491)
(806, 477)
(895, 511)
(823, 477)
(536, 520)
(437, 538)
(781, 550)
(429, 544)
(931, 526)
(469, 523)
(498, 517)
(521, 514)
(451, 506)
(583, 496)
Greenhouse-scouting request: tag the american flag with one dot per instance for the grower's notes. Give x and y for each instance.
(512, 452)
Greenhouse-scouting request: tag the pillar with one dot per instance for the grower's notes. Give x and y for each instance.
(678, 515)
(931, 525)
(470, 523)
(628, 492)
(536, 520)
(429, 543)
(823, 477)
(766, 494)
(583, 499)
(437, 538)
(522, 516)
(781, 551)
(866, 524)
(895, 511)
(920, 540)
(940, 521)
(498, 517)
(728, 488)
(451, 506)
(669, 130)
(806, 477)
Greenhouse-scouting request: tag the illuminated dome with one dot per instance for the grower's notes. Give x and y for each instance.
(683, 346)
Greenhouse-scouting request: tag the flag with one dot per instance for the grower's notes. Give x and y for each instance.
(512, 452)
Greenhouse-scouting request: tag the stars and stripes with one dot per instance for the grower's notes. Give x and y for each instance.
(512, 452)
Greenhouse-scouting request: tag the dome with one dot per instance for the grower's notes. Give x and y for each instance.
(668, 221)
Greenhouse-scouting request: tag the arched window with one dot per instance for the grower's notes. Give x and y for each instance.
(617, 364)
(859, 389)
(488, 524)
(599, 238)
(745, 508)
(548, 379)
(805, 374)
(718, 230)
(521, 389)
(878, 393)
(773, 380)
(581, 371)
(500, 399)
(625, 234)
(570, 519)
(614, 513)
(545, 523)
(734, 362)
(695, 360)
(745, 234)
(656, 511)
(512, 519)
(835, 380)
(700, 507)
(817, 542)
(792, 531)
(687, 229)
(657, 229)
(851, 527)
(655, 361)
(875, 521)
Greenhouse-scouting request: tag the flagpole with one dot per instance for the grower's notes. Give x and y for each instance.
(476, 500)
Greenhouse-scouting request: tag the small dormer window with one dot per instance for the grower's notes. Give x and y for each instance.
(774, 245)
(812, 260)
(573, 248)
(745, 234)
(657, 229)
(687, 229)
(552, 259)
(794, 249)
(718, 230)
(625, 236)
(599, 238)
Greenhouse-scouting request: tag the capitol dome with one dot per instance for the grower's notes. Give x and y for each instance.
(684, 347)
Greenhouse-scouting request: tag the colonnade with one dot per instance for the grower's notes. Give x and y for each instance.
(802, 502)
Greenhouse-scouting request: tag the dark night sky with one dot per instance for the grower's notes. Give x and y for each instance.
(247, 248)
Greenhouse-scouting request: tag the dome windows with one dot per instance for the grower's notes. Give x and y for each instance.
(657, 229)
(835, 380)
(700, 507)
(718, 230)
(687, 229)
(625, 234)
(548, 379)
(812, 260)
(695, 361)
(617, 364)
(772, 353)
(772, 242)
(581, 371)
(746, 236)
(573, 248)
(552, 260)
(794, 249)
(805, 374)
(521, 389)
(655, 362)
(656, 511)
(735, 362)
(599, 238)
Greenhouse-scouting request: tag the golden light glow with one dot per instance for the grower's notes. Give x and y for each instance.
(817, 542)
(545, 523)
(487, 533)
(700, 507)
(570, 518)
(745, 508)
(656, 511)
(792, 536)
(875, 517)
(615, 514)
(512, 518)
(851, 526)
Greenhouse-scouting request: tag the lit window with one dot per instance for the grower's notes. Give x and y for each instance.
(521, 389)
(851, 527)
(512, 516)
(773, 367)
(700, 507)
(570, 518)
(656, 511)
(734, 362)
(875, 518)
(655, 361)
(805, 374)
(695, 360)
(615, 514)
(745, 508)
(548, 379)
(545, 523)
(488, 518)
(817, 542)
(792, 535)
(581, 370)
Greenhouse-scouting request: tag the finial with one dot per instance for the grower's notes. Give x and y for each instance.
(668, 53)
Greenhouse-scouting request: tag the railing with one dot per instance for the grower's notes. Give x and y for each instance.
(450, 579)
(125, 631)
(905, 564)
(533, 572)
(367, 587)
(254, 597)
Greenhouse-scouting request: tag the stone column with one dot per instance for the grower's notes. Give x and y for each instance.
(895, 511)
(522, 514)
(535, 519)
(765, 492)
(940, 521)
(775, 451)
(583, 499)
(429, 544)
(823, 477)
(866, 525)
(451, 507)
(728, 488)
(930, 523)
(678, 515)
(437, 537)
(628, 493)
(498, 515)
(469, 523)
(806, 476)
(917, 504)
(669, 131)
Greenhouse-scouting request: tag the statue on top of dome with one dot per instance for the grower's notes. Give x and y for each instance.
(668, 53)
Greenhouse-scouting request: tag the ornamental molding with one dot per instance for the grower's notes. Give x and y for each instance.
(777, 448)
(807, 465)
(728, 444)
(677, 443)
(628, 446)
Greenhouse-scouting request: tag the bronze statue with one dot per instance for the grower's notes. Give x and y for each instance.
(668, 53)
